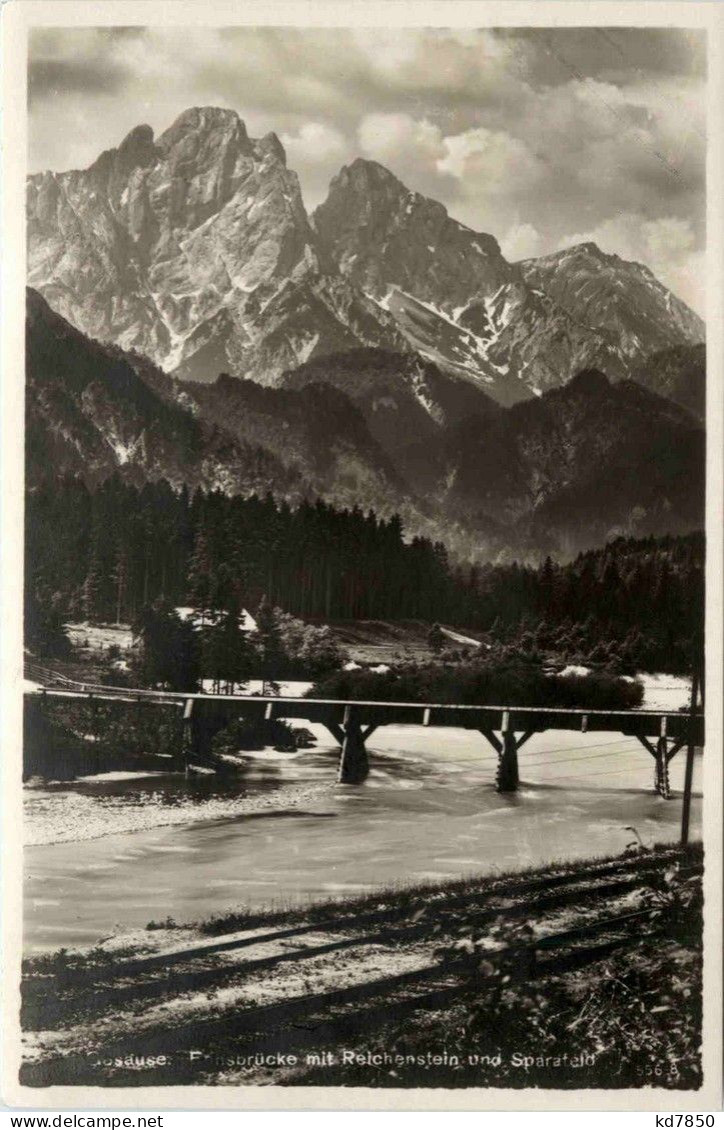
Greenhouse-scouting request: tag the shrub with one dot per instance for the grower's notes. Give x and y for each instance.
(248, 734)
(483, 683)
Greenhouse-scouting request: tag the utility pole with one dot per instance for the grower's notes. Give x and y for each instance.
(689, 772)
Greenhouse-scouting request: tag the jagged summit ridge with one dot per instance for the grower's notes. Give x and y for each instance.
(194, 247)
(381, 235)
(620, 299)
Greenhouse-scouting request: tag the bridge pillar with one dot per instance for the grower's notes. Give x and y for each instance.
(354, 763)
(507, 777)
(187, 736)
(661, 779)
(662, 753)
(200, 725)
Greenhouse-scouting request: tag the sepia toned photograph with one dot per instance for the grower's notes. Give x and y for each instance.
(364, 566)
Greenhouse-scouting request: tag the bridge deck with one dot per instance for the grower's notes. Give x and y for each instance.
(646, 723)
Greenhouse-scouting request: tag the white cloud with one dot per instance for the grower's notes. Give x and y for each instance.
(314, 142)
(316, 151)
(669, 237)
(522, 241)
(398, 137)
(491, 163)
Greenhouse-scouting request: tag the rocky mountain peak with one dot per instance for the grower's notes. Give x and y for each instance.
(140, 139)
(137, 150)
(587, 254)
(365, 174)
(359, 193)
(195, 248)
(270, 146)
(620, 299)
(385, 237)
(207, 138)
(589, 248)
(200, 120)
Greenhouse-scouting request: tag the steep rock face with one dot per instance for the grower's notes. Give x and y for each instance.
(621, 300)
(458, 302)
(194, 248)
(381, 235)
(537, 340)
(94, 410)
(404, 250)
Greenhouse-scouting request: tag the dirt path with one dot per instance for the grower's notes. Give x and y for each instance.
(459, 638)
(188, 1007)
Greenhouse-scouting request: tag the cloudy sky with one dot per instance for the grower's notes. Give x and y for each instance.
(542, 137)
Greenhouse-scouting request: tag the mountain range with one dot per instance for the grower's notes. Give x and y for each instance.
(195, 249)
(188, 320)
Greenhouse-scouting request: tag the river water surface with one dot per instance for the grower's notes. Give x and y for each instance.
(113, 852)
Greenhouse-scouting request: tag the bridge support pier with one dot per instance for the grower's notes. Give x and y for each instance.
(187, 736)
(506, 746)
(200, 725)
(354, 764)
(662, 754)
(661, 782)
(508, 776)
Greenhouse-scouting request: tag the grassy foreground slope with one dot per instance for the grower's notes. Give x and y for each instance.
(450, 985)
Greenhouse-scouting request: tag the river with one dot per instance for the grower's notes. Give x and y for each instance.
(112, 853)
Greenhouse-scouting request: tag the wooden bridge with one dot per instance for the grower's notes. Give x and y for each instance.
(351, 723)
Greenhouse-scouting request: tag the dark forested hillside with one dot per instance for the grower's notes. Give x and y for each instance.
(317, 430)
(678, 373)
(636, 601)
(92, 410)
(411, 407)
(579, 465)
(376, 429)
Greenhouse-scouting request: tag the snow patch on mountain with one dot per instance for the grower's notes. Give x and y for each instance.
(304, 347)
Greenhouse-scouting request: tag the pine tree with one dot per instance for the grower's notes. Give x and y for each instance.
(436, 638)
(227, 654)
(45, 633)
(269, 645)
(547, 589)
(120, 580)
(91, 591)
(200, 575)
(169, 653)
